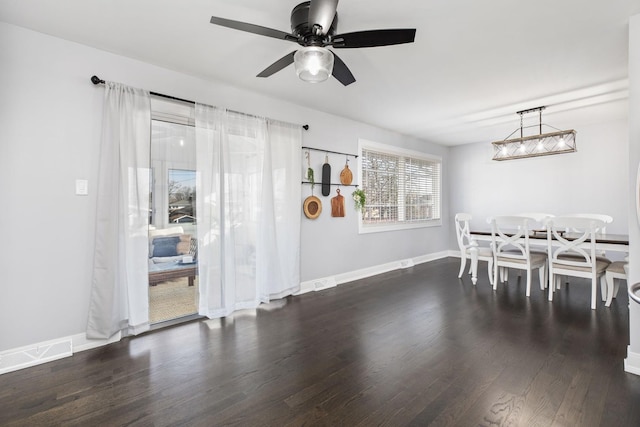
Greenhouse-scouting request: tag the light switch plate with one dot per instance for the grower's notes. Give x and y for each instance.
(82, 187)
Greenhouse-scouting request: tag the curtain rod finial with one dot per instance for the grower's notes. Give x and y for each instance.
(96, 80)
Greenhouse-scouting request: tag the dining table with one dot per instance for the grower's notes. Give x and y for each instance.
(538, 238)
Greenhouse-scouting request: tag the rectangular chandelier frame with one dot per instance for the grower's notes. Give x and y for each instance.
(536, 145)
(557, 142)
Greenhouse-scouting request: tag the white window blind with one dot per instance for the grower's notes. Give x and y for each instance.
(401, 189)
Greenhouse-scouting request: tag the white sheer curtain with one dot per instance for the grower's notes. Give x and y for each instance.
(208, 209)
(278, 260)
(248, 186)
(119, 293)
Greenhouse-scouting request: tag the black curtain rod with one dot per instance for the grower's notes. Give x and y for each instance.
(98, 81)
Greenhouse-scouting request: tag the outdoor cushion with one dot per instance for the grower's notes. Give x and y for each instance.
(165, 246)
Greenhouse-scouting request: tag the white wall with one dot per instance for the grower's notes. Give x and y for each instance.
(632, 364)
(50, 118)
(593, 179)
(332, 245)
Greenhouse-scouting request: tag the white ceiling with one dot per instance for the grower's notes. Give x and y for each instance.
(472, 66)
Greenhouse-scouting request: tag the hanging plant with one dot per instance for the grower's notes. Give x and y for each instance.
(310, 177)
(359, 198)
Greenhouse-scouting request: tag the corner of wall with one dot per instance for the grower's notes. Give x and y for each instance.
(632, 362)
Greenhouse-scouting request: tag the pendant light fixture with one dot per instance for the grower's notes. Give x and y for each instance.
(542, 144)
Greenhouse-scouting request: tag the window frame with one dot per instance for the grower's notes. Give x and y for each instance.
(363, 227)
(191, 170)
(166, 112)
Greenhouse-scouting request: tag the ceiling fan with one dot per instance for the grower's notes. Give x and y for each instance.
(313, 26)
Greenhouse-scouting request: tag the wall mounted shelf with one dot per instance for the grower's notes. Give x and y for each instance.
(329, 151)
(338, 184)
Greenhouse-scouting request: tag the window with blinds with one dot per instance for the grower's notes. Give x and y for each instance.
(403, 189)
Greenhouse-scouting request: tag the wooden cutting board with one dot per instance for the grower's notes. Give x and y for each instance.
(337, 205)
(312, 207)
(346, 177)
(326, 177)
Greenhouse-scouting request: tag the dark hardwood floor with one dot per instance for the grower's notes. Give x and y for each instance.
(411, 347)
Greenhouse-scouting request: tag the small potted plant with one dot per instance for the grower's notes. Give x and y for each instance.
(359, 198)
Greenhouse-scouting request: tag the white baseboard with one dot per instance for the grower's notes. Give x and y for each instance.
(350, 276)
(35, 354)
(316, 285)
(48, 351)
(434, 256)
(82, 343)
(632, 362)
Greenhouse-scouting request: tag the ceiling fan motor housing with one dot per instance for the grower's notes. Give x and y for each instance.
(300, 26)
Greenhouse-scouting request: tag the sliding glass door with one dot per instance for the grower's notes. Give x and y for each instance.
(173, 258)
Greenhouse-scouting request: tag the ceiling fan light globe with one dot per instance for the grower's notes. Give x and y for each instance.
(313, 64)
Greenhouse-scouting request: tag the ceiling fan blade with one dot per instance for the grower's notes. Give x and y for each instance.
(255, 29)
(373, 38)
(278, 65)
(321, 13)
(341, 72)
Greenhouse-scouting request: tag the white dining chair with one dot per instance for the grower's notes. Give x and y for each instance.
(510, 237)
(466, 243)
(606, 219)
(615, 272)
(536, 226)
(575, 256)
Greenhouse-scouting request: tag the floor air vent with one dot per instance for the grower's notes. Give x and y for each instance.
(25, 357)
(406, 263)
(328, 282)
